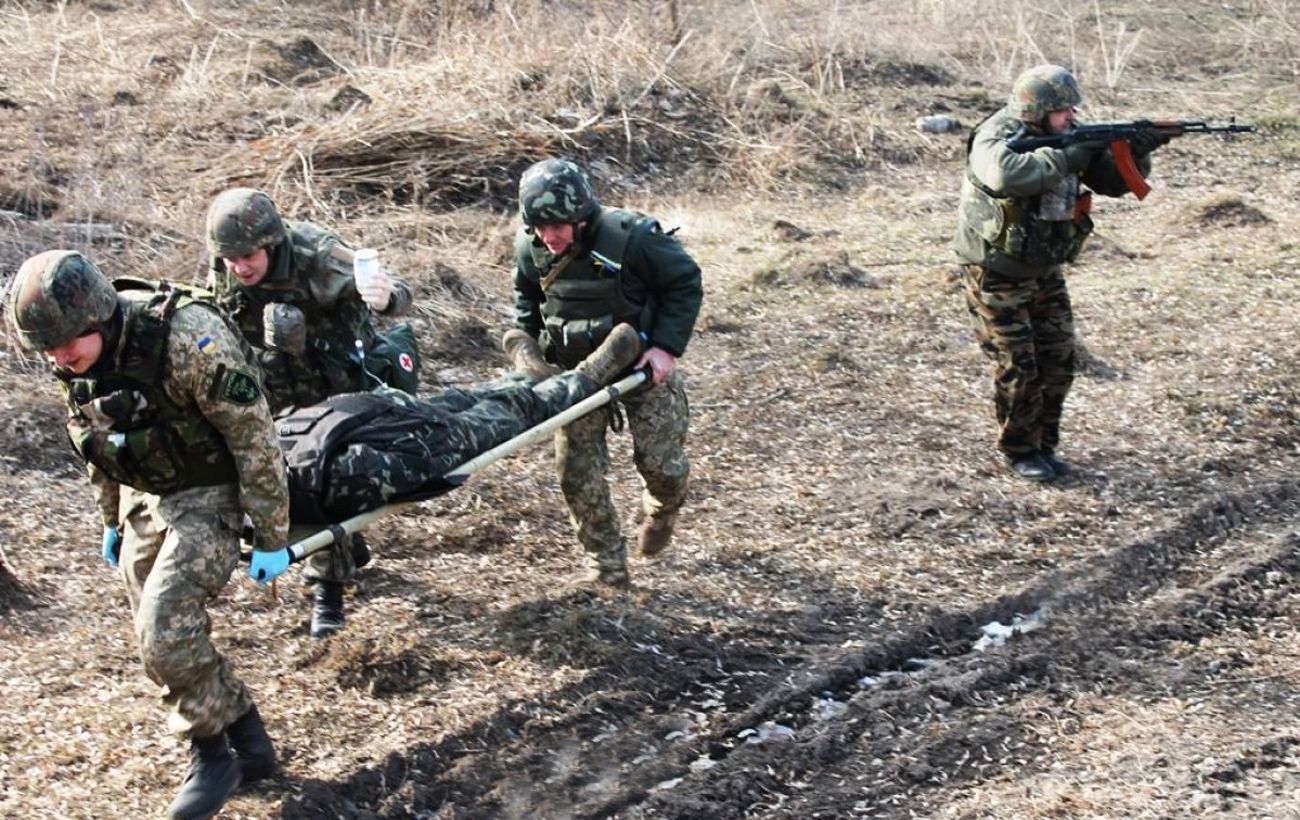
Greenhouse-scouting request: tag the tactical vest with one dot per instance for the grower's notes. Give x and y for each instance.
(124, 422)
(587, 298)
(312, 438)
(332, 364)
(1011, 225)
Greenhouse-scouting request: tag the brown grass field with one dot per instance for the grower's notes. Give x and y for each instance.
(810, 647)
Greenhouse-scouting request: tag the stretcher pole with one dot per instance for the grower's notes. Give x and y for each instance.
(318, 541)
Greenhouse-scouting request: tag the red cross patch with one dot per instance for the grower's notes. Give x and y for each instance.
(405, 361)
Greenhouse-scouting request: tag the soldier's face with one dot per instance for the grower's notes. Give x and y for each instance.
(556, 238)
(1060, 121)
(78, 355)
(250, 269)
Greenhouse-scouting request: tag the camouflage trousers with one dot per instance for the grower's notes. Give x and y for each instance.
(1027, 328)
(178, 551)
(458, 425)
(658, 419)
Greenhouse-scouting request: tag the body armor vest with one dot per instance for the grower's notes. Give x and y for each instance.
(311, 438)
(126, 424)
(1013, 225)
(331, 364)
(588, 297)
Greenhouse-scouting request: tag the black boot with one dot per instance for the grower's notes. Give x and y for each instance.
(252, 746)
(213, 775)
(327, 614)
(360, 550)
(1031, 467)
(1059, 467)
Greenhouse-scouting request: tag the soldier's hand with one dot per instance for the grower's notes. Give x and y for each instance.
(661, 363)
(1145, 142)
(111, 546)
(284, 327)
(267, 566)
(376, 290)
(1079, 156)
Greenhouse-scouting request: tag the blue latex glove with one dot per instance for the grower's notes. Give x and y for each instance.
(111, 546)
(265, 566)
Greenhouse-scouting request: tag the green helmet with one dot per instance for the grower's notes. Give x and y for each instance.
(240, 221)
(56, 296)
(1041, 90)
(553, 192)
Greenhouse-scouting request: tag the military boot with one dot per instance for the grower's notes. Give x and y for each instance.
(213, 775)
(611, 566)
(615, 354)
(327, 613)
(252, 746)
(360, 550)
(656, 534)
(526, 355)
(1059, 467)
(1031, 467)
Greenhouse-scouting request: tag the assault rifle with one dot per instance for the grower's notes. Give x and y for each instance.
(1119, 134)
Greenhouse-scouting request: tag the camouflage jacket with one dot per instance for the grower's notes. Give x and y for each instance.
(174, 403)
(623, 267)
(997, 220)
(311, 270)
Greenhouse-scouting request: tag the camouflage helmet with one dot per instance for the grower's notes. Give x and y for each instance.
(240, 221)
(1041, 90)
(555, 191)
(56, 296)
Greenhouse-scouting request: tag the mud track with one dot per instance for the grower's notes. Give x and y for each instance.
(679, 722)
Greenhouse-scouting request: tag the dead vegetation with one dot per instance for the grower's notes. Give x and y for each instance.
(809, 648)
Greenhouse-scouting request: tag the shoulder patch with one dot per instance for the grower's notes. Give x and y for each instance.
(238, 387)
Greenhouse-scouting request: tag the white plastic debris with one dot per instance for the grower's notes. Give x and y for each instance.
(995, 634)
(768, 732)
(828, 709)
(938, 124)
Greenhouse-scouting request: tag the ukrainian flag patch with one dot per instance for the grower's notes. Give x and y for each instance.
(207, 344)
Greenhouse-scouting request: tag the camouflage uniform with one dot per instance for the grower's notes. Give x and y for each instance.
(311, 269)
(1013, 250)
(359, 451)
(179, 445)
(622, 267)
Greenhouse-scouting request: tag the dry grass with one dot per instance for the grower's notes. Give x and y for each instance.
(845, 487)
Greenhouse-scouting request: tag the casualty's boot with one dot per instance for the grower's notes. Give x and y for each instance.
(327, 613)
(252, 745)
(611, 566)
(615, 354)
(213, 775)
(656, 534)
(525, 355)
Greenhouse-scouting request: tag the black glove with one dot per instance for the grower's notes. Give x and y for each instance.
(1144, 142)
(1079, 155)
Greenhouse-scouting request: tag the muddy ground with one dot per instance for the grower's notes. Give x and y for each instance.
(828, 636)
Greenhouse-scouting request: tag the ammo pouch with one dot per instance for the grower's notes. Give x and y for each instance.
(395, 358)
(150, 459)
(1010, 225)
(573, 340)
